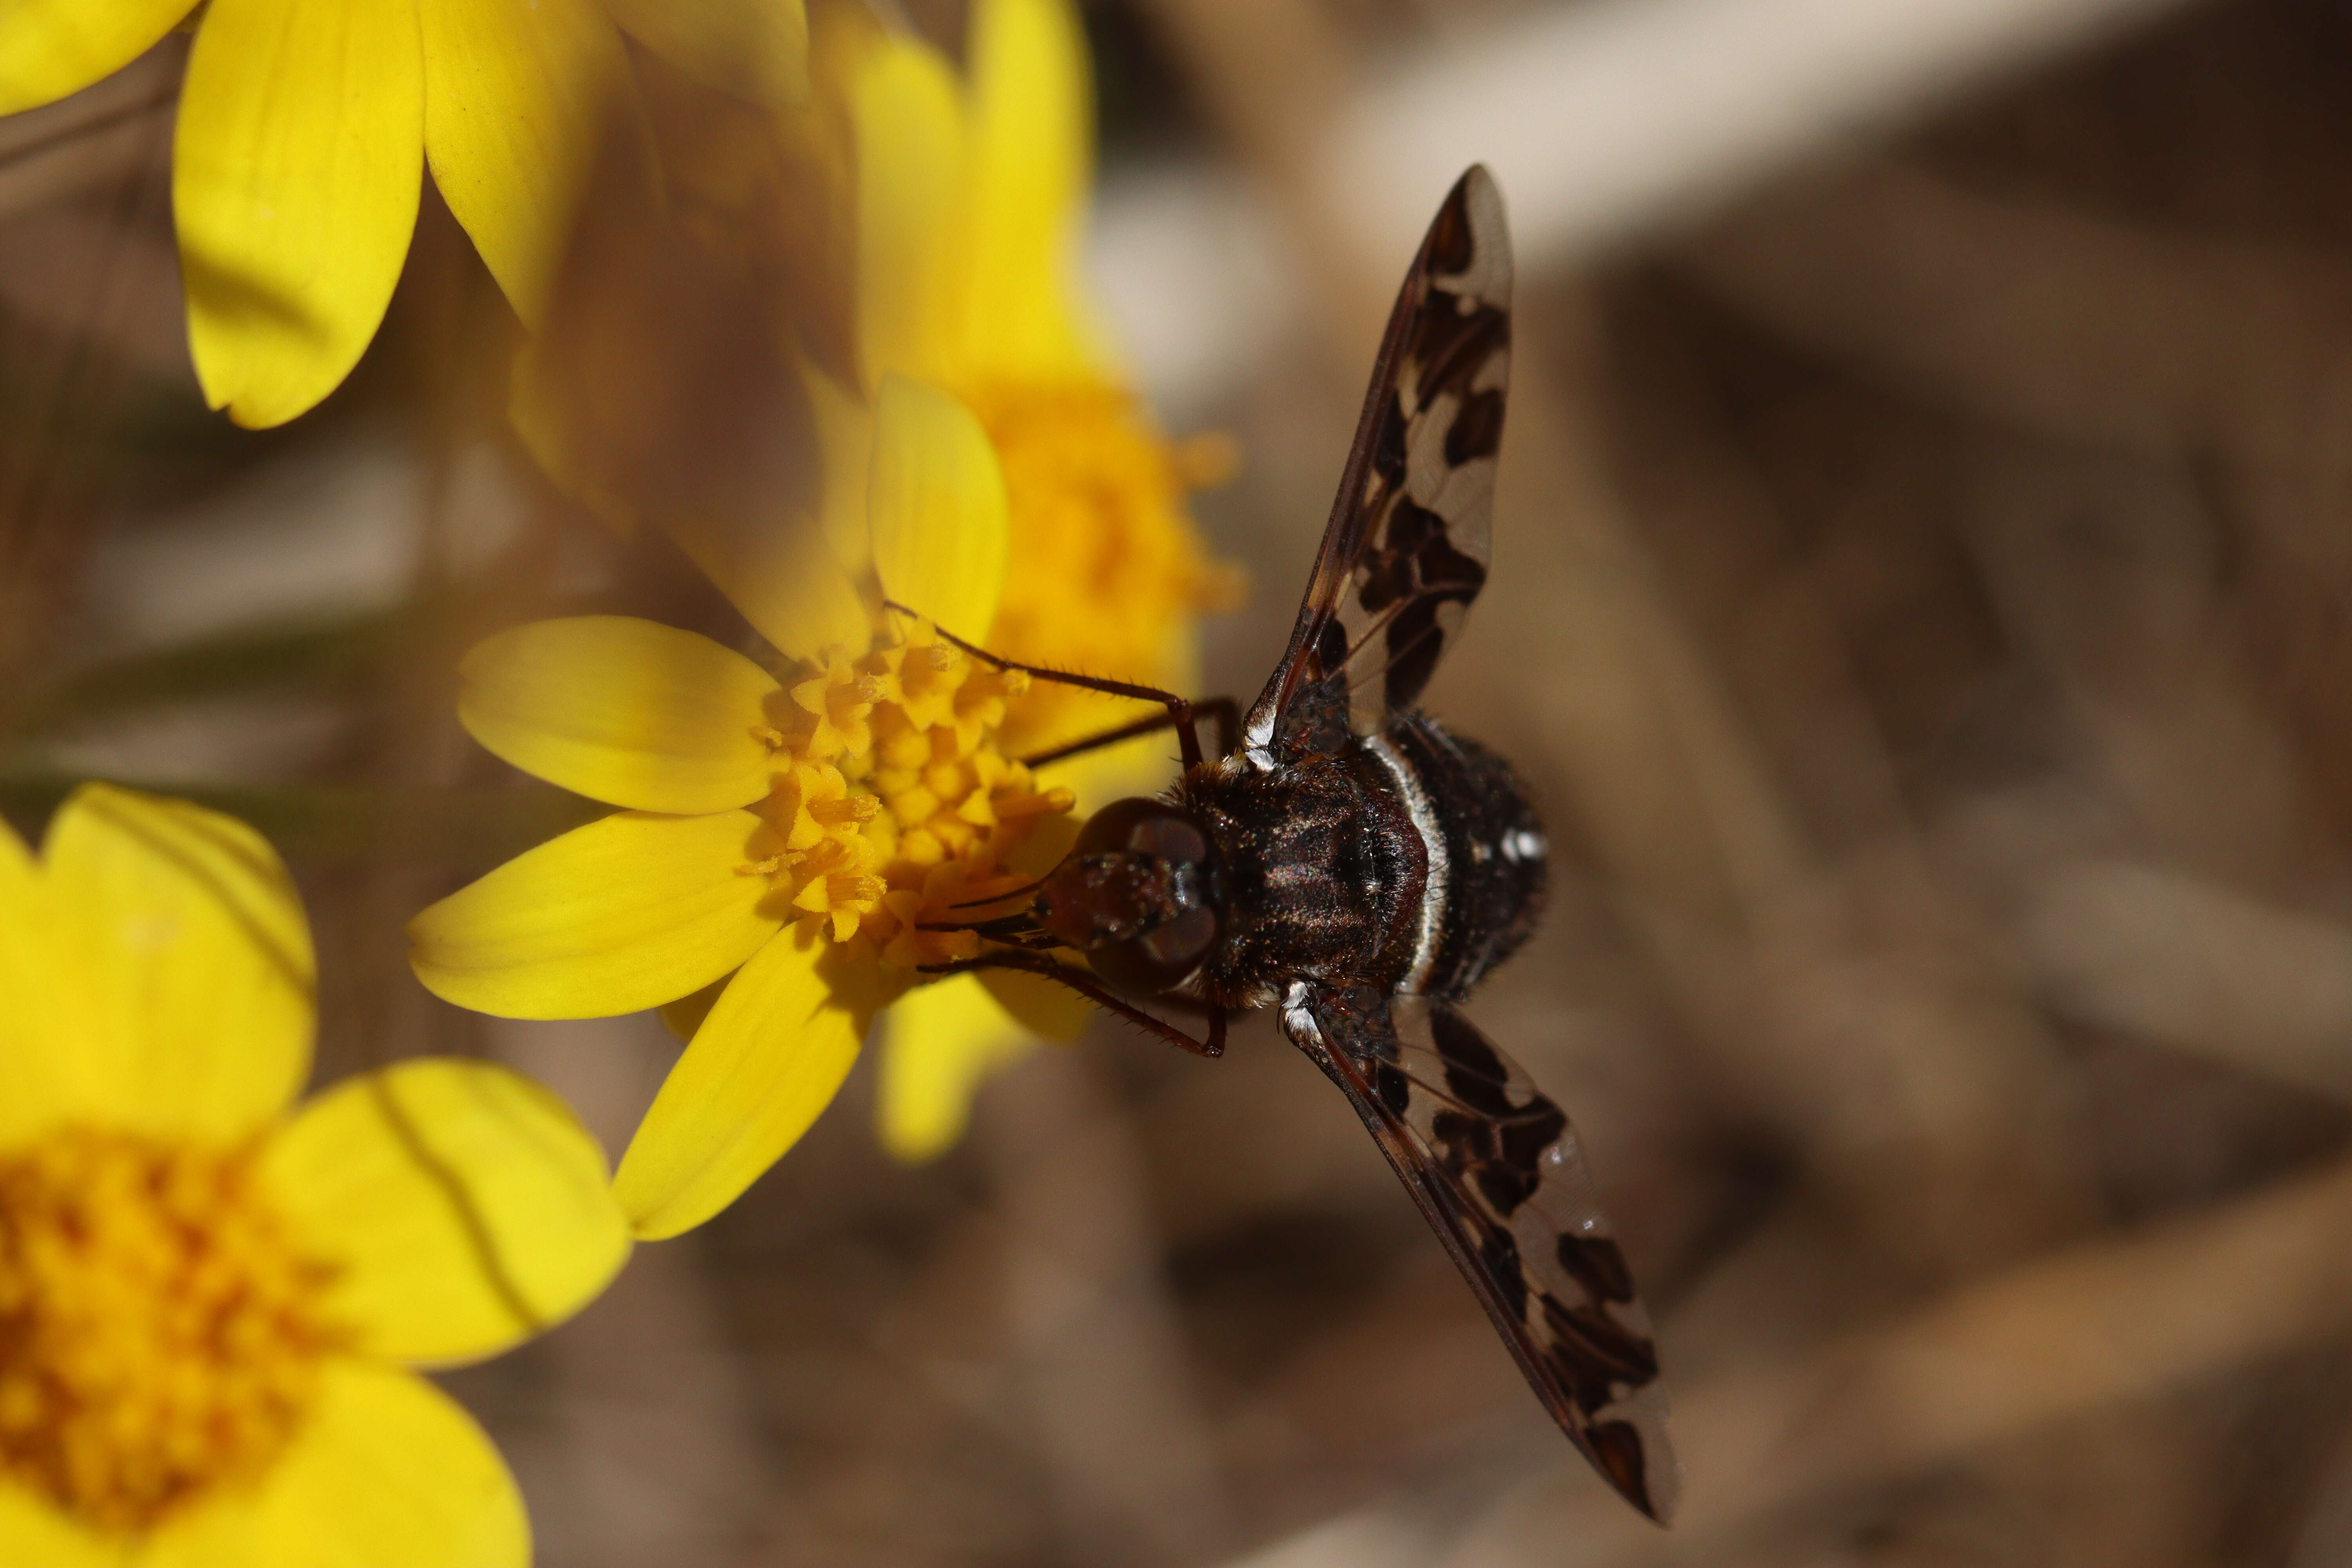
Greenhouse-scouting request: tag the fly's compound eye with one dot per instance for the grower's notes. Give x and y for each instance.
(1142, 826)
(1156, 960)
(1133, 896)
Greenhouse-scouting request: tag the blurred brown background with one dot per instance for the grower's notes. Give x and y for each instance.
(1923, 575)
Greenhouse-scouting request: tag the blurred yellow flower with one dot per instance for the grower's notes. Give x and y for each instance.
(970, 201)
(305, 128)
(786, 834)
(206, 1304)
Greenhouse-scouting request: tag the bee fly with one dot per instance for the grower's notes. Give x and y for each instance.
(1348, 862)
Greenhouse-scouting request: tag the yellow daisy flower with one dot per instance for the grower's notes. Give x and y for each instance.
(970, 202)
(305, 128)
(208, 1304)
(786, 833)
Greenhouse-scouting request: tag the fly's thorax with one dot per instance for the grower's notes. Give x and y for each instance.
(1318, 868)
(1409, 860)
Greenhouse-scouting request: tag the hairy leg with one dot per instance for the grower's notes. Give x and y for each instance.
(1102, 996)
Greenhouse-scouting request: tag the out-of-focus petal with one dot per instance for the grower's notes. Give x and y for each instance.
(785, 581)
(297, 163)
(757, 50)
(908, 115)
(623, 914)
(792, 583)
(1145, 765)
(936, 505)
(1032, 134)
(464, 1206)
(623, 710)
(31, 1531)
(517, 98)
(52, 47)
(541, 413)
(844, 434)
(766, 1061)
(181, 950)
(1050, 1012)
(939, 1042)
(387, 1469)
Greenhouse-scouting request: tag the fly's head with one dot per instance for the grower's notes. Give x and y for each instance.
(1134, 895)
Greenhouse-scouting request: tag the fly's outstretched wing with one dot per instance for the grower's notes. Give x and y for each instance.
(1494, 1167)
(1406, 549)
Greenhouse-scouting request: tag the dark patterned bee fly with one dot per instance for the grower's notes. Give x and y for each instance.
(1348, 862)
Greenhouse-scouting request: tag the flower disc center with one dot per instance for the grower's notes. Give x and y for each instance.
(159, 1335)
(893, 800)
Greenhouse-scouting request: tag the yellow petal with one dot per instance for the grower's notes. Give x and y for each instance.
(183, 965)
(516, 101)
(756, 49)
(387, 1469)
(31, 1531)
(936, 507)
(464, 1206)
(769, 1058)
(785, 581)
(1031, 135)
(907, 119)
(623, 710)
(624, 914)
(52, 47)
(938, 1043)
(37, 1084)
(684, 1015)
(296, 167)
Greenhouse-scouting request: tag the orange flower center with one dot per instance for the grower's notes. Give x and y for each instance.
(894, 799)
(1110, 572)
(160, 1334)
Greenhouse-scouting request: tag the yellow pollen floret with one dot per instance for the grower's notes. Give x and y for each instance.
(833, 703)
(1095, 497)
(160, 1333)
(1056, 799)
(846, 810)
(897, 795)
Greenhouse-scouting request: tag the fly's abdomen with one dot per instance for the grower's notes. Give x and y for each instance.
(1493, 853)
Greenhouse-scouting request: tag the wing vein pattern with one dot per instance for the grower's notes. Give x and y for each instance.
(1406, 548)
(1497, 1171)
(1493, 1165)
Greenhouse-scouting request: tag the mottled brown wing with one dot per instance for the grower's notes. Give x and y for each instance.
(1406, 549)
(1494, 1166)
